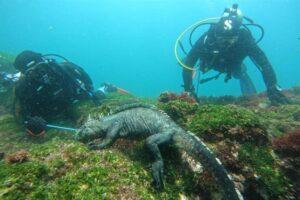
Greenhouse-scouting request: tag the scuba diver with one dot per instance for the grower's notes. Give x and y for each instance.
(223, 48)
(46, 88)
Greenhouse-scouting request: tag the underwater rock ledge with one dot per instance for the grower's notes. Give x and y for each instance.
(251, 140)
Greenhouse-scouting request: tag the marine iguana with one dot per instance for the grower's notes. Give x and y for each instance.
(157, 128)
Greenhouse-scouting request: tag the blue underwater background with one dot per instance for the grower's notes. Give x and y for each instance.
(130, 42)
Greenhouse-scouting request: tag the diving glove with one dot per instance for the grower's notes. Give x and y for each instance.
(276, 96)
(191, 91)
(35, 126)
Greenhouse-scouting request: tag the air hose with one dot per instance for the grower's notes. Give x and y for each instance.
(178, 40)
(56, 55)
(260, 28)
(61, 128)
(195, 28)
(36, 127)
(43, 132)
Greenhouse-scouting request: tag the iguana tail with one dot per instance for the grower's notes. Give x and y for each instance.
(195, 148)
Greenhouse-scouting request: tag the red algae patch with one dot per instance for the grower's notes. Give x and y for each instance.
(18, 157)
(288, 145)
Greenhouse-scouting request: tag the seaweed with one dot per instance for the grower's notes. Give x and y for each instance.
(288, 145)
(266, 170)
(216, 122)
(68, 170)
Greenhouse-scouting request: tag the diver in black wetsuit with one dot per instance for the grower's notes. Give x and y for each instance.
(223, 48)
(46, 87)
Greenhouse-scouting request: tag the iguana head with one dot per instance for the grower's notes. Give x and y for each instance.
(90, 130)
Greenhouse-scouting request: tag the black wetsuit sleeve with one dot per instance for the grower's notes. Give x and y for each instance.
(190, 60)
(261, 61)
(21, 112)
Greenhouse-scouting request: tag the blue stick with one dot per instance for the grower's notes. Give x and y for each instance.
(61, 128)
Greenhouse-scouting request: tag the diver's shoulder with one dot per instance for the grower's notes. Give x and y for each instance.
(245, 36)
(244, 33)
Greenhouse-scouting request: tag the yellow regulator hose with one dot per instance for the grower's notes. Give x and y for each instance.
(179, 60)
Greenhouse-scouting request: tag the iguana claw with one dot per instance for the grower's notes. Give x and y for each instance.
(157, 175)
(93, 146)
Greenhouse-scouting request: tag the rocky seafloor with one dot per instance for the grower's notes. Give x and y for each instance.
(258, 144)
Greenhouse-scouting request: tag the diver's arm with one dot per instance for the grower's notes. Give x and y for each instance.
(259, 58)
(261, 61)
(20, 112)
(190, 61)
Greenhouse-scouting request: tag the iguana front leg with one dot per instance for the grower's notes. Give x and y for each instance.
(152, 144)
(110, 138)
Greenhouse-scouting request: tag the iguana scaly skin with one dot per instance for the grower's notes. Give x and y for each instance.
(158, 129)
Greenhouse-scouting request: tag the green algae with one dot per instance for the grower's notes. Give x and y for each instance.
(6, 61)
(179, 111)
(12, 137)
(266, 168)
(211, 120)
(7, 122)
(18, 180)
(7, 100)
(116, 99)
(281, 119)
(81, 110)
(68, 170)
(6, 90)
(7, 56)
